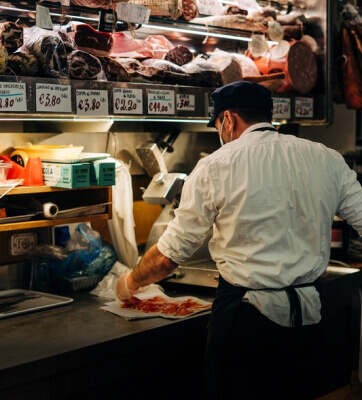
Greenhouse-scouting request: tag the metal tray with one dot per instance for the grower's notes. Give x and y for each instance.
(18, 301)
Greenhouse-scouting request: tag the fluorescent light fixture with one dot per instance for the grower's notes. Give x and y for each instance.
(110, 119)
(16, 9)
(197, 121)
(75, 16)
(195, 32)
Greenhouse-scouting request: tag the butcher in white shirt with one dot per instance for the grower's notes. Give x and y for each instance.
(271, 199)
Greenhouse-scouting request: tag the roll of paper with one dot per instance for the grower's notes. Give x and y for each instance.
(50, 210)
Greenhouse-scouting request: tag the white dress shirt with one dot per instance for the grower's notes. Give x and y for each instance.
(271, 199)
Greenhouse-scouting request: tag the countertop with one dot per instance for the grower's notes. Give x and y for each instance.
(66, 341)
(77, 348)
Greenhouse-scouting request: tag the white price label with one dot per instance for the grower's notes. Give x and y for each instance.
(12, 97)
(209, 7)
(281, 107)
(92, 102)
(185, 102)
(161, 101)
(133, 13)
(127, 101)
(248, 4)
(303, 107)
(53, 98)
(42, 19)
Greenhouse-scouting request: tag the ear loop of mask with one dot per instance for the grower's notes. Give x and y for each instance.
(220, 136)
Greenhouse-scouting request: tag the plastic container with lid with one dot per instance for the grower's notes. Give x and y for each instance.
(4, 169)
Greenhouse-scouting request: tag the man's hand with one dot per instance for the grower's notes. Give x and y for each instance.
(122, 289)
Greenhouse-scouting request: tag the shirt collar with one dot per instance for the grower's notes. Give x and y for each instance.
(258, 126)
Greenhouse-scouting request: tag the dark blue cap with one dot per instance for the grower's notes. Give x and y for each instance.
(238, 95)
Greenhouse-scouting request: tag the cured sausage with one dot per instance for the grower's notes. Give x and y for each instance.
(83, 65)
(189, 10)
(352, 81)
(11, 36)
(114, 71)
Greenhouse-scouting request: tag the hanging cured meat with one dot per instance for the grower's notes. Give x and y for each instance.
(352, 81)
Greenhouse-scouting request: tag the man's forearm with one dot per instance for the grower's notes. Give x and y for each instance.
(153, 267)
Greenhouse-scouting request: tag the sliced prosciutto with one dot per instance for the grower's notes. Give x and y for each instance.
(128, 47)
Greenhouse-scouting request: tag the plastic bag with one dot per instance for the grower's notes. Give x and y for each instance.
(85, 254)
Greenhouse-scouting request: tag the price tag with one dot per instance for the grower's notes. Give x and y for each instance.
(281, 108)
(42, 19)
(92, 102)
(303, 107)
(127, 101)
(133, 13)
(53, 98)
(248, 4)
(185, 102)
(209, 7)
(12, 97)
(161, 102)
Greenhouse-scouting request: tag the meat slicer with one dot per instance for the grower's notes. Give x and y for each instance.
(165, 189)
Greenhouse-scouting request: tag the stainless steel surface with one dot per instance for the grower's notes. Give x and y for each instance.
(164, 188)
(200, 273)
(18, 301)
(151, 158)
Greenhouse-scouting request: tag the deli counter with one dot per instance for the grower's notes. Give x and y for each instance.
(77, 350)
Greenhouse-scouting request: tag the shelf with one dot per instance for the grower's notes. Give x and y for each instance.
(107, 101)
(24, 205)
(48, 189)
(51, 222)
(123, 101)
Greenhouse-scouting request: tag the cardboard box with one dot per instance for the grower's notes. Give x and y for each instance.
(102, 173)
(68, 176)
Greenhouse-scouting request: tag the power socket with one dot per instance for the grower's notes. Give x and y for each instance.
(22, 243)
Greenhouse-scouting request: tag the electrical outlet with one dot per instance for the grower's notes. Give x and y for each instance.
(22, 243)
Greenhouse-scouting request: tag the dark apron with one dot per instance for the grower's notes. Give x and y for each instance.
(225, 305)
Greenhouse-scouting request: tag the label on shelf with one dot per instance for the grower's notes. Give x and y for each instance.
(53, 98)
(281, 108)
(303, 107)
(43, 19)
(12, 97)
(127, 101)
(161, 102)
(92, 102)
(133, 13)
(185, 102)
(209, 7)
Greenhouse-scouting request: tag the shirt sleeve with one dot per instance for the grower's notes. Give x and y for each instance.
(195, 215)
(350, 205)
